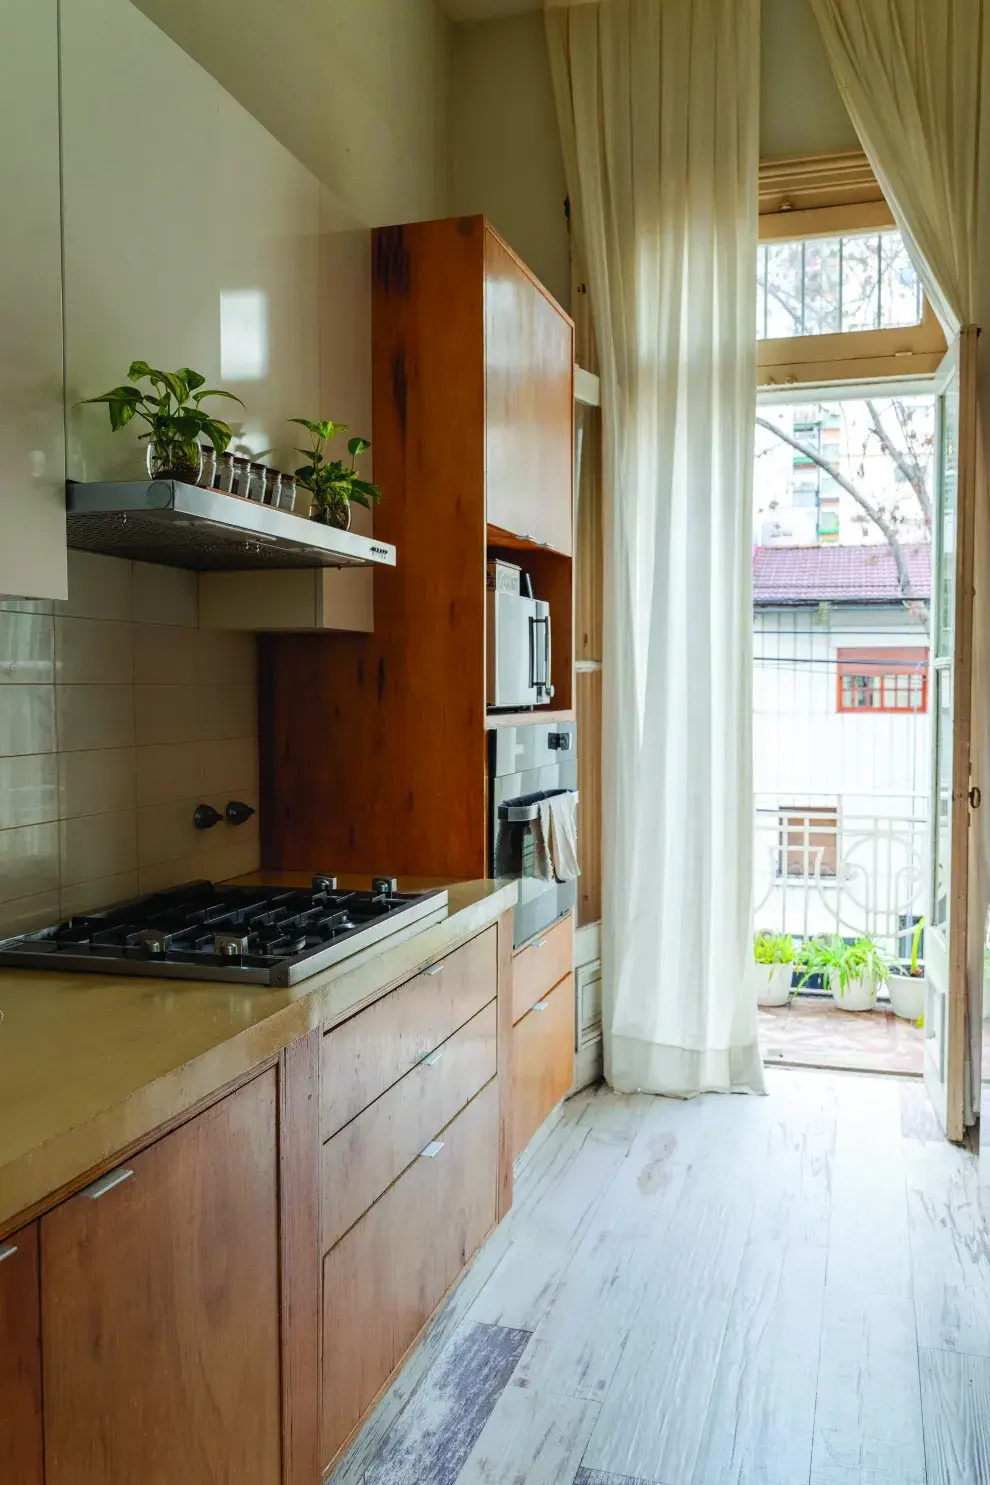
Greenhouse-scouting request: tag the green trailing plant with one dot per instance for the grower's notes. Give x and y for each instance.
(332, 483)
(830, 956)
(916, 970)
(773, 948)
(176, 421)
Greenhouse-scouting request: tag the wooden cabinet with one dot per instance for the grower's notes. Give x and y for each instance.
(21, 1457)
(32, 441)
(160, 1288)
(541, 964)
(542, 1061)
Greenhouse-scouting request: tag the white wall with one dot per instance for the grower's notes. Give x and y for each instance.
(356, 89)
(801, 112)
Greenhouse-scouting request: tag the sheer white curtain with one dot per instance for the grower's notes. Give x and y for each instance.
(658, 105)
(915, 77)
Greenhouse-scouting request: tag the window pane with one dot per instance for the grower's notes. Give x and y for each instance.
(900, 290)
(784, 289)
(860, 282)
(821, 286)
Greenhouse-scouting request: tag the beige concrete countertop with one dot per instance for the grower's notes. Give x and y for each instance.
(91, 1064)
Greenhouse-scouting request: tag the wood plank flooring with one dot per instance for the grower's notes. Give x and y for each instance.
(731, 1291)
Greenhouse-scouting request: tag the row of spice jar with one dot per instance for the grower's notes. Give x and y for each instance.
(237, 475)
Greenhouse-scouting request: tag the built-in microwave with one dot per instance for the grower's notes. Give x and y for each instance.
(518, 642)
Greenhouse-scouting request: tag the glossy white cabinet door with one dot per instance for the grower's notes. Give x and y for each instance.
(32, 437)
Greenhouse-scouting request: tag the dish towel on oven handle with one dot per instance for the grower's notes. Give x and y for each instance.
(562, 840)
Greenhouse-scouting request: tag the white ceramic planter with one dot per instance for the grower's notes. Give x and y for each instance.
(907, 996)
(773, 983)
(859, 995)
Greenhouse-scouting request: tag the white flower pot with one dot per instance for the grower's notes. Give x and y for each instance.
(773, 983)
(907, 996)
(859, 994)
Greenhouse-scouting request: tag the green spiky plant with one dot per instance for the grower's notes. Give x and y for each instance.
(332, 483)
(831, 955)
(176, 421)
(773, 948)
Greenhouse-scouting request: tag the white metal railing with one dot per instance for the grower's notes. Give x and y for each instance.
(847, 864)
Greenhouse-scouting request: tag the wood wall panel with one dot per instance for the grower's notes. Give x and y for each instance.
(20, 1360)
(589, 724)
(588, 556)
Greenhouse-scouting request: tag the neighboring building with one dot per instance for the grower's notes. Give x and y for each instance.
(841, 737)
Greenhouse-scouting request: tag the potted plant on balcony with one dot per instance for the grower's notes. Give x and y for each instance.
(907, 991)
(853, 972)
(332, 483)
(176, 422)
(773, 955)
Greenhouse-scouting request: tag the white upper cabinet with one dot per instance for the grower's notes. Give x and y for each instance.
(32, 441)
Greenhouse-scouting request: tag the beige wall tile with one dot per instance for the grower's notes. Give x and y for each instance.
(227, 657)
(170, 874)
(98, 781)
(168, 771)
(233, 861)
(166, 714)
(28, 790)
(27, 720)
(28, 861)
(166, 832)
(99, 587)
(229, 765)
(26, 606)
(165, 595)
(97, 846)
(87, 897)
(25, 913)
(94, 717)
(228, 712)
(94, 652)
(26, 649)
(224, 835)
(165, 655)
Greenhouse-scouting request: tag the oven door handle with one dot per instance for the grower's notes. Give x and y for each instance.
(521, 814)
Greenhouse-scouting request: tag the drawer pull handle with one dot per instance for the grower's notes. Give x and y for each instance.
(107, 1183)
(432, 1058)
(541, 943)
(542, 1005)
(8, 1251)
(434, 971)
(433, 1149)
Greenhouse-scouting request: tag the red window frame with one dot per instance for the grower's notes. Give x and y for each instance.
(882, 663)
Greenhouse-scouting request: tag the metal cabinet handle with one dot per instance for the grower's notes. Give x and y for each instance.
(7, 1251)
(540, 943)
(432, 1058)
(434, 971)
(541, 1005)
(433, 1149)
(107, 1183)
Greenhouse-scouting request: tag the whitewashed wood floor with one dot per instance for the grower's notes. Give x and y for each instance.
(733, 1291)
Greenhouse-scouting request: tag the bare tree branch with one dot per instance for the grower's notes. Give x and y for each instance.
(913, 602)
(905, 462)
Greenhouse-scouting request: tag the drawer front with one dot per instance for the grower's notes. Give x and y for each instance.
(541, 965)
(365, 1157)
(375, 1048)
(382, 1282)
(542, 1061)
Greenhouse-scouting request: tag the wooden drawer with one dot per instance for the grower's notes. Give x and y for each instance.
(542, 1061)
(369, 1153)
(384, 1279)
(375, 1048)
(540, 965)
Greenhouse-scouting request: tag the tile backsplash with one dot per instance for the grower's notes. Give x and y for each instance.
(117, 717)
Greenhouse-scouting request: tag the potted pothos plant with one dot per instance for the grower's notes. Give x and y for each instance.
(773, 954)
(333, 483)
(853, 972)
(176, 421)
(907, 988)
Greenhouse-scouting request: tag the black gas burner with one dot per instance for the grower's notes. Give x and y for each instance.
(257, 935)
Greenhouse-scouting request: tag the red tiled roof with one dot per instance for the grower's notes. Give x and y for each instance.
(834, 574)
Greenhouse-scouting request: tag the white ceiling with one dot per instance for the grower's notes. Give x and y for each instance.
(484, 10)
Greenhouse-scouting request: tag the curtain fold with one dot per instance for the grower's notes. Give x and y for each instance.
(658, 104)
(915, 77)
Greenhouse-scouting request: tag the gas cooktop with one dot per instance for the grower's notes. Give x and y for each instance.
(253, 935)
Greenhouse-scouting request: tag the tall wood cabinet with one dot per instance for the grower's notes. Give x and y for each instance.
(21, 1448)
(374, 752)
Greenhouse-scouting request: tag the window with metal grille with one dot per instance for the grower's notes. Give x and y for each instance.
(835, 285)
(894, 680)
(808, 841)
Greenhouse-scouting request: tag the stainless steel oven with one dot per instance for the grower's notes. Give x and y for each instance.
(528, 763)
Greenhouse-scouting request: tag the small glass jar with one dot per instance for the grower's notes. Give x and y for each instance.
(242, 473)
(225, 473)
(287, 497)
(208, 475)
(256, 481)
(273, 487)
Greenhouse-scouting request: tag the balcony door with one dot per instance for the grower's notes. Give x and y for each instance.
(951, 648)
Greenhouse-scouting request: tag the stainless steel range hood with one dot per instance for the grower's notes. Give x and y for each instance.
(181, 525)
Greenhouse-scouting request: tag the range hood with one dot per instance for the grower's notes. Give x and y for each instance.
(180, 525)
